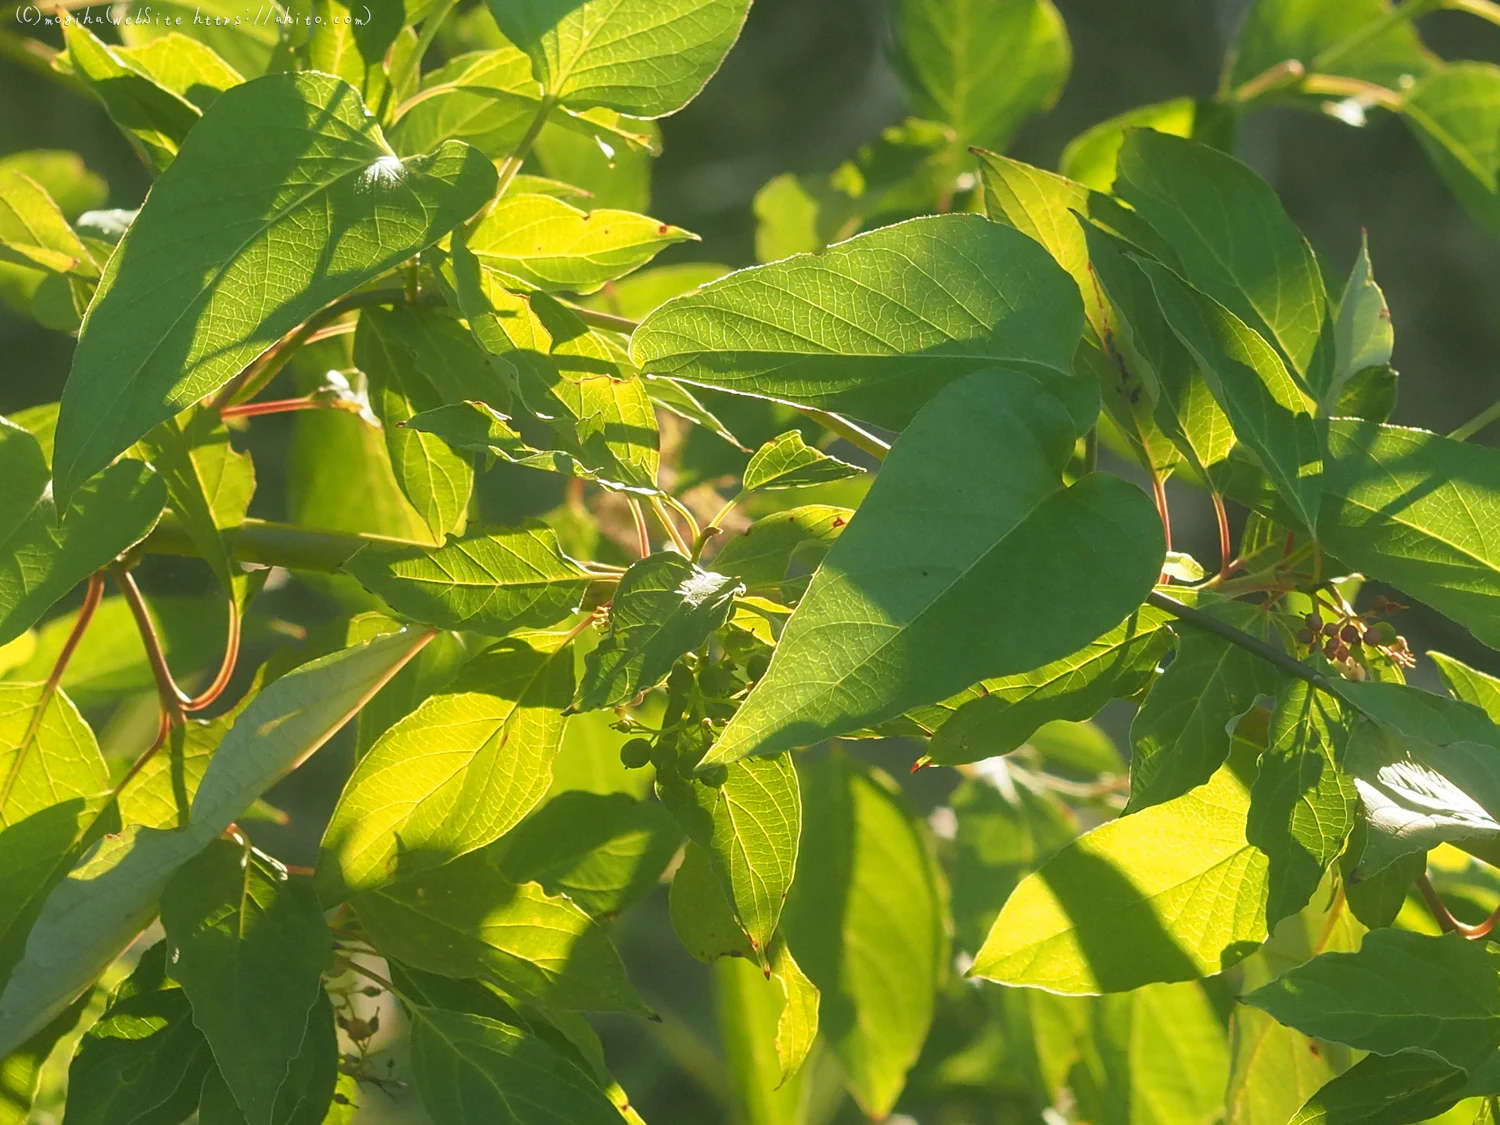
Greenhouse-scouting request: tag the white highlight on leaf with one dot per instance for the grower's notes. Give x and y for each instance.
(386, 172)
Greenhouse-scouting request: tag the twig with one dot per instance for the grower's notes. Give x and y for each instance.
(643, 538)
(1444, 917)
(1338, 86)
(1226, 558)
(1267, 652)
(226, 666)
(91, 599)
(1476, 423)
(685, 512)
(166, 688)
(277, 406)
(513, 162)
(596, 319)
(1276, 77)
(665, 519)
(855, 435)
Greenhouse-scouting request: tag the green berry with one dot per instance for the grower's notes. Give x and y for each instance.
(717, 681)
(756, 667)
(1380, 634)
(635, 753)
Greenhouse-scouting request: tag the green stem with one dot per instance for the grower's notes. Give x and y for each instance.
(665, 519)
(1091, 450)
(1337, 86)
(273, 544)
(1476, 423)
(1267, 652)
(425, 37)
(514, 161)
(596, 319)
(35, 56)
(1283, 74)
(1484, 9)
(855, 435)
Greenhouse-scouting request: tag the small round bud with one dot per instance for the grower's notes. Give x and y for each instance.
(635, 753)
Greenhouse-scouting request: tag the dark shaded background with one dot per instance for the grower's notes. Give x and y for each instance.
(806, 85)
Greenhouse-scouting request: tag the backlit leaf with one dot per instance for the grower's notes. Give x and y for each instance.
(874, 326)
(1385, 1090)
(1454, 112)
(171, 321)
(789, 462)
(1173, 892)
(33, 232)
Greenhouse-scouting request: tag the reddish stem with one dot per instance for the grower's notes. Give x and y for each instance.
(1226, 558)
(166, 688)
(1159, 494)
(91, 599)
(274, 406)
(226, 667)
(1444, 917)
(163, 727)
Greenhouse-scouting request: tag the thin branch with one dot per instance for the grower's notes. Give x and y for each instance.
(91, 599)
(685, 512)
(1338, 86)
(1484, 9)
(665, 519)
(642, 537)
(1226, 556)
(1476, 423)
(1267, 652)
(855, 435)
(1277, 77)
(166, 688)
(136, 766)
(596, 319)
(268, 543)
(226, 666)
(277, 406)
(1444, 917)
(513, 162)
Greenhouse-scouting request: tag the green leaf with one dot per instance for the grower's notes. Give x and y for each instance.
(1174, 892)
(171, 321)
(1090, 157)
(605, 851)
(415, 360)
(1161, 1056)
(1003, 835)
(1411, 508)
(760, 555)
(1234, 242)
(306, 1097)
(1268, 410)
(490, 99)
(1454, 112)
(250, 950)
(702, 918)
(342, 479)
(152, 117)
(1180, 735)
(98, 910)
(466, 919)
(192, 70)
(1400, 992)
(749, 1010)
(1010, 709)
(644, 57)
(874, 326)
(43, 554)
(144, 1060)
(472, 1070)
(538, 242)
(493, 581)
(1302, 806)
(749, 825)
(44, 758)
(898, 615)
(664, 607)
(1385, 1090)
(865, 921)
(33, 232)
(1425, 767)
(789, 462)
(1331, 38)
(983, 66)
(209, 484)
(1469, 684)
(1362, 331)
(457, 773)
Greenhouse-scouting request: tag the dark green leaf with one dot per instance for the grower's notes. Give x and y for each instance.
(471, 1070)
(1302, 805)
(250, 950)
(902, 611)
(466, 919)
(605, 851)
(982, 66)
(1005, 712)
(865, 921)
(1400, 992)
(874, 326)
(43, 555)
(760, 555)
(1455, 111)
(1180, 736)
(1234, 242)
(702, 918)
(173, 319)
(664, 607)
(305, 1097)
(1385, 1090)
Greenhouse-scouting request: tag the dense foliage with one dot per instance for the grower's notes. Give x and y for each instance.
(851, 494)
